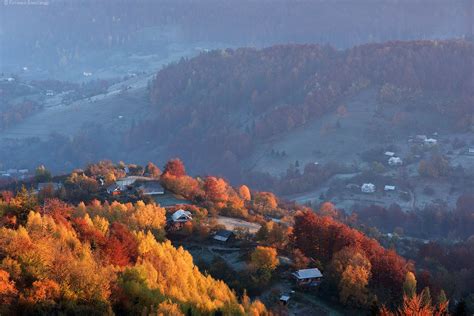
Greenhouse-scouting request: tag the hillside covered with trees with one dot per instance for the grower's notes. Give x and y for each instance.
(79, 249)
(224, 103)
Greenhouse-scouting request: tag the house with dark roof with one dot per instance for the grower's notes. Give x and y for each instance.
(223, 235)
(151, 188)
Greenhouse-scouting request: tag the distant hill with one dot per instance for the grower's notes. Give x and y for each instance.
(221, 105)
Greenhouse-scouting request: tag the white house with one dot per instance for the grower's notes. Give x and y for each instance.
(395, 161)
(389, 153)
(181, 216)
(470, 151)
(308, 277)
(430, 142)
(389, 188)
(368, 188)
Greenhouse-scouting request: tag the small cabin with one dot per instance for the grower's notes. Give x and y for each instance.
(223, 235)
(308, 277)
(395, 161)
(284, 299)
(389, 188)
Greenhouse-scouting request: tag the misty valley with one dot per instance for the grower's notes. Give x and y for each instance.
(237, 158)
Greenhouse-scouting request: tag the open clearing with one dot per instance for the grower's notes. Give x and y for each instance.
(233, 223)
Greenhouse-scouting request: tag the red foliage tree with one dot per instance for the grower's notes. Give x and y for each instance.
(122, 246)
(175, 167)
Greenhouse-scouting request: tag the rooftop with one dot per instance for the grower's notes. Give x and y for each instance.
(308, 274)
(223, 235)
(179, 214)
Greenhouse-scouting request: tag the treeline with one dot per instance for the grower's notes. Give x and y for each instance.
(15, 105)
(14, 114)
(432, 222)
(249, 22)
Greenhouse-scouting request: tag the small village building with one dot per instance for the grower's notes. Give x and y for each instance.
(152, 188)
(181, 216)
(368, 188)
(223, 235)
(470, 151)
(395, 161)
(23, 171)
(389, 153)
(389, 188)
(12, 171)
(114, 189)
(284, 299)
(308, 277)
(430, 142)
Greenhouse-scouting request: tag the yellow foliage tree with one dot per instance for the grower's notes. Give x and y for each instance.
(168, 308)
(352, 269)
(264, 258)
(244, 193)
(172, 271)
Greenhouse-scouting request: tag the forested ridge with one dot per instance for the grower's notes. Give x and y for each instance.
(230, 100)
